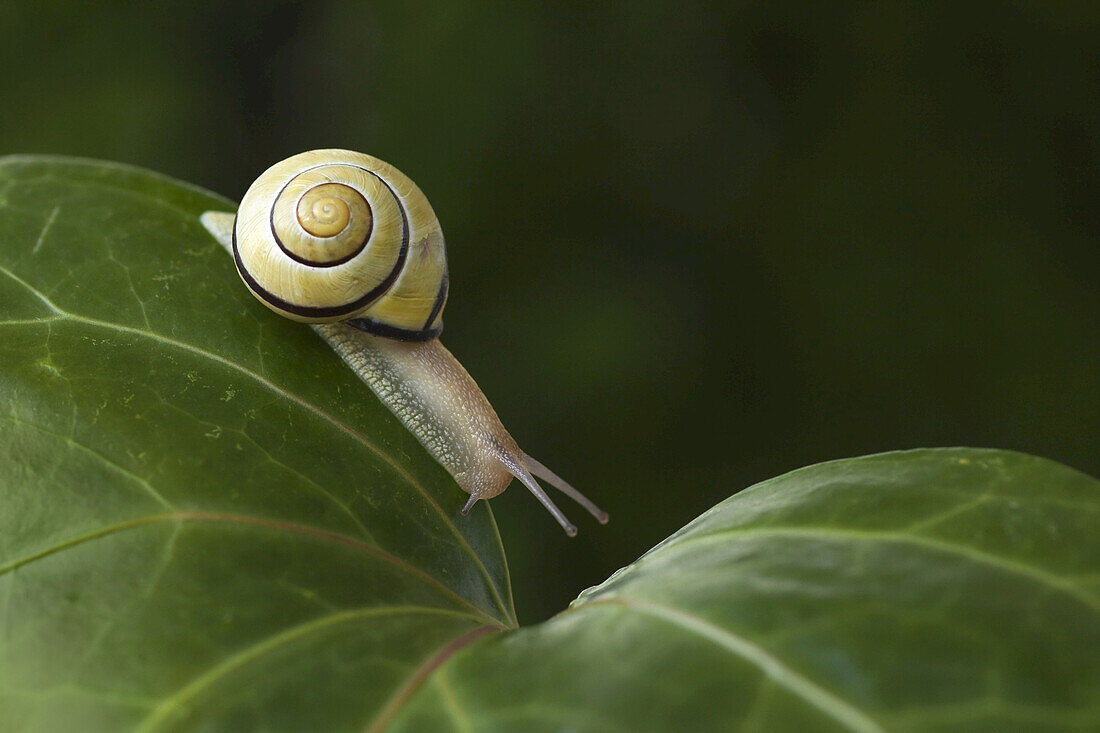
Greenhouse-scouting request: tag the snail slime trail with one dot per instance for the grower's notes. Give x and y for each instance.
(348, 243)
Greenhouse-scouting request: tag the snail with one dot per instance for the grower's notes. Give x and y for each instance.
(347, 243)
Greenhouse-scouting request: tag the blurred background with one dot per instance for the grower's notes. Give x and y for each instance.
(692, 246)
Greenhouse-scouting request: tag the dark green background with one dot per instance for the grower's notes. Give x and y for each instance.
(692, 246)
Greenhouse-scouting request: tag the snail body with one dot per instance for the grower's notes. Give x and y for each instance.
(349, 244)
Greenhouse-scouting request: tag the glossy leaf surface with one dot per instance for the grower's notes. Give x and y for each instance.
(206, 520)
(950, 589)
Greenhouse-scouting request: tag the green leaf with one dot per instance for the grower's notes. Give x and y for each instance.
(951, 589)
(206, 520)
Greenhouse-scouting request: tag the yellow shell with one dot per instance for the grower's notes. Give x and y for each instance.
(335, 235)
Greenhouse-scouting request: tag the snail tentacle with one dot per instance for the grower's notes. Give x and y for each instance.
(517, 469)
(544, 473)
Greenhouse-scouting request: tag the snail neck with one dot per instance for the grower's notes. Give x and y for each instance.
(437, 400)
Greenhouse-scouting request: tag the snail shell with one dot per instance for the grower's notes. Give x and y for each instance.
(336, 235)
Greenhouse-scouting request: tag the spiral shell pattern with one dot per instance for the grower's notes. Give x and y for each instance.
(335, 235)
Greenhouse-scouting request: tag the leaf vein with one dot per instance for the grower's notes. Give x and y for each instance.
(143, 483)
(420, 674)
(931, 543)
(45, 229)
(176, 701)
(802, 687)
